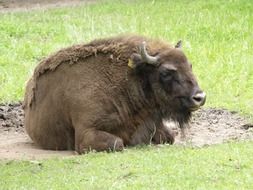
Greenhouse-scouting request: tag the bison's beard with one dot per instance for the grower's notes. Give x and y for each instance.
(173, 109)
(181, 116)
(169, 107)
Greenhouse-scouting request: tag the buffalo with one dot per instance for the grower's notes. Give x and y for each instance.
(110, 93)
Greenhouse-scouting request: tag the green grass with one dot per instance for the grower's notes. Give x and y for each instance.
(217, 36)
(142, 168)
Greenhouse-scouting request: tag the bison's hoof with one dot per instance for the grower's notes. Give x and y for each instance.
(164, 136)
(117, 145)
(170, 137)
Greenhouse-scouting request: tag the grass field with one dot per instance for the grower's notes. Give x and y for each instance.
(217, 38)
(142, 168)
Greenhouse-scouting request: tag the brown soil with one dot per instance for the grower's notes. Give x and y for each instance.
(208, 126)
(23, 5)
(14, 142)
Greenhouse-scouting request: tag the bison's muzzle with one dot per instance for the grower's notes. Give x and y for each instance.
(199, 99)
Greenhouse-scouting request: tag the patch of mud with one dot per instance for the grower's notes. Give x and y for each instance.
(14, 142)
(23, 5)
(215, 126)
(208, 126)
(11, 118)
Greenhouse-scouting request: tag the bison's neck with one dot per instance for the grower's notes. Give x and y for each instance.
(141, 100)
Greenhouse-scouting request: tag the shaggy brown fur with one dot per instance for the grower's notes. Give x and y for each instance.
(87, 97)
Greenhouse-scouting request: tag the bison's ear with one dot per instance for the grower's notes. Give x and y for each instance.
(179, 44)
(134, 61)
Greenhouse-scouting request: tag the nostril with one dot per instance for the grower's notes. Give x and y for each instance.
(199, 98)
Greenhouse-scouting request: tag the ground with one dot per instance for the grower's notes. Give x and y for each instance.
(208, 126)
(13, 5)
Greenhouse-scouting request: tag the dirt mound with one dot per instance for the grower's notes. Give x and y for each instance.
(208, 126)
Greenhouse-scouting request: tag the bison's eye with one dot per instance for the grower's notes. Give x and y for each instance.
(167, 74)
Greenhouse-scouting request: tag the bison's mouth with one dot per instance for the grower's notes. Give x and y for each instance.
(194, 108)
(193, 103)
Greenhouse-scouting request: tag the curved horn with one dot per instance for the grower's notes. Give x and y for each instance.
(153, 60)
(179, 44)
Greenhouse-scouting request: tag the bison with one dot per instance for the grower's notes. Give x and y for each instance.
(110, 93)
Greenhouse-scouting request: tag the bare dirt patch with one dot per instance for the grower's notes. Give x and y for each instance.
(14, 142)
(208, 126)
(23, 5)
(215, 126)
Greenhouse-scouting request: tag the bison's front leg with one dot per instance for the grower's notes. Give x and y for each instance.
(97, 140)
(163, 135)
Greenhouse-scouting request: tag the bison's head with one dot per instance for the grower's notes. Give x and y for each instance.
(168, 77)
